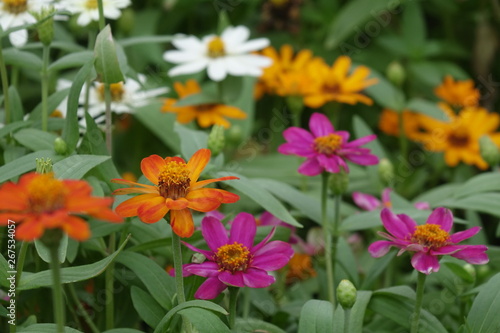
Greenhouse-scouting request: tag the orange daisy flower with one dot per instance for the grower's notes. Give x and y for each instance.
(300, 268)
(176, 190)
(335, 84)
(458, 93)
(389, 123)
(40, 201)
(205, 114)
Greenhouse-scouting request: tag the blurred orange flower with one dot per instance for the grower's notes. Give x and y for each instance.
(176, 190)
(389, 123)
(458, 93)
(40, 201)
(205, 114)
(300, 268)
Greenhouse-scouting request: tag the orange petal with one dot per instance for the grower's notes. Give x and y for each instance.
(152, 210)
(16, 217)
(178, 204)
(203, 183)
(151, 167)
(204, 200)
(77, 187)
(227, 197)
(197, 163)
(13, 197)
(82, 204)
(133, 190)
(76, 228)
(29, 230)
(182, 223)
(129, 207)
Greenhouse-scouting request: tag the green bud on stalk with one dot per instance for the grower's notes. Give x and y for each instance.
(396, 73)
(45, 29)
(346, 294)
(60, 146)
(216, 140)
(386, 172)
(489, 151)
(339, 182)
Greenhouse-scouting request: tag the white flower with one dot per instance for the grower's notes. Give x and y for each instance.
(221, 55)
(89, 11)
(14, 13)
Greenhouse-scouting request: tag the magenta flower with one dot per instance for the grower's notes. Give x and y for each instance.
(427, 241)
(325, 148)
(233, 260)
(369, 202)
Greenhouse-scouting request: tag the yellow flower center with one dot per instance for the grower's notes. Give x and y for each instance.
(430, 235)
(327, 144)
(56, 114)
(15, 6)
(46, 194)
(174, 181)
(233, 257)
(91, 4)
(459, 137)
(116, 89)
(216, 48)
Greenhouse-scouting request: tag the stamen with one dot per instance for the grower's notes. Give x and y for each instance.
(174, 181)
(430, 235)
(15, 6)
(459, 137)
(327, 144)
(233, 257)
(116, 89)
(46, 194)
(91, 4)
(216, 48)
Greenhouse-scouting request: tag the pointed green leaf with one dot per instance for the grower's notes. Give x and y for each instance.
(16, 105)
(25, 164)
(316, 317)
(76, 166)
(35, 139)
(146, 306)
(45, 328)
(483, 316)
(44, 252)
(106, 60)
(76, 59)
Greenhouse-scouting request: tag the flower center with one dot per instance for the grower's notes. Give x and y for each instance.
(204, 107)
(458, 138)
(327, 144)
(216, 48)
(46, 194)
(430, 235)
(233, 257)
(174, 181)
(15, 6)
(116, 89)
(56, 114)
(91, 4)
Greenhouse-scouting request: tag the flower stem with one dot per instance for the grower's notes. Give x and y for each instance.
(403, 140)
(81, 309)
(233, 300)
(57, 296)
(335, 234)
(45, 86)
(19, 269)
(109, 280)
(102, 21)
(347, 315)
(179, 280)
(5, 88)
(328, 238)
(107, 101)
(418, 303)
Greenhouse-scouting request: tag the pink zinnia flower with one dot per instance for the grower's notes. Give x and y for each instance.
(427, 241)
(325, 148)
(234, 260)
(369, 202)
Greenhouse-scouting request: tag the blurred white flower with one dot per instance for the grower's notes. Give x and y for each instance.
(221, 55)
(89, 12)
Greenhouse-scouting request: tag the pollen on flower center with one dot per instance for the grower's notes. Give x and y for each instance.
(46, 194)
(430, 235)
(116, 89)
(458, 138)
(91, 4)
(327, 144)
(174, 181)
(233, 257)
(216, 48)
(15, 6)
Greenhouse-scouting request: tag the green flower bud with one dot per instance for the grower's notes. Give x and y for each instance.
(43, 165)
(60, 146)
(234, 134)
(45, 29)
(52, 238)
(216, 140)
(338, 182)
(396, 73)
(489, 151)
(386, 172)
(470, 270)
(346, 294)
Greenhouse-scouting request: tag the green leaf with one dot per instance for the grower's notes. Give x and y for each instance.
(45, 328)
(159, 284)
(251, 325)
(198, 304)
(13, 127)
(148, 309)
(16, 105)
(483, 202)
(53, 102)
(413, 28)
(145, 40)
(438, 194)
(76, 166)
(362, 129)
(161, 124)
(426, 107)
(385, 93)
(68, 274)
(23, 59)
(35, 139)
(76, 59)
(44, 252)
(316, 317)
(204, 320)
(484, 182)
(4, 268)
(106, 60)
(483, 316)
(24, 164)
(123, 330)
(203, 97)
(191, 140)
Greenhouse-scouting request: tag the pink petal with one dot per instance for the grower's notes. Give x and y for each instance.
(425, 263)
(365, 201)
(393, 224)
(386, 195)
(422, 205)
(216, 214)
(207, 254)
(473, 254)
(214, 233)
(299, 149)
(310, 167)
(364, 159)
(380, 248)
(210, 289)
(408, 222)
(232, 279)
(296, 134)
(462, 235)
(330, 164)
(361, 141)
(344, 134)
(257, 247)
(320, 125)
(256, 278)
(205, 269)
(447, 250)
(243, 230)
(272, 256)
(442, 217)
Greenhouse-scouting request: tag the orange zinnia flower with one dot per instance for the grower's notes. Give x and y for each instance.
(458, 93)
(389, 123)
(300, 268)
(205, 114)
(335, 84)
(176, 189)
(39, 202)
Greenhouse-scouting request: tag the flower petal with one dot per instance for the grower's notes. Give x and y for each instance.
(272, 256)
(243, 230)
(442, 217)
(182, 223)
(393, 224)
(232, 279)
(425, 263)
(152, 210)
(310, 167)
(214, 233)
(129, 207)
(360, 141)
(462, 235)
(189, 67)
(380, 248)
(76, 228)
(256, 278)
(178, 204)
(320, 125)
(447, 250)
(210, 289)
(205, 269)
(297, 134)
(473, 254)
(203, 183)
(152, 166)
(422, 205)
(216, 70)
(299, 149)
(366, 201)
(197, 163)
(29, 230)
(204, 199)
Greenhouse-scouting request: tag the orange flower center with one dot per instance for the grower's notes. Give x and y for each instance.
(91, 4)
(459, 137)
(216, 48)
(56, 114)
(300, 268)
(116, 90)
(15, 6)
(174, 181)
(204, 107)
(430, 235)
(327, 144)
(46, 194)
(233, 257)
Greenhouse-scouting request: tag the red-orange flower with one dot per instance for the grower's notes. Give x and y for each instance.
(176, 190)
(40, 201)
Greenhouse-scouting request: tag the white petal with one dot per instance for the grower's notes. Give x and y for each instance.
(112, 13)
(190, 43)
(235, 67)
(217, 69)
(84, 19)
(179, 57)
(189, 68)
(254, 60)
(251, 45)
(236, 35)
(19, 37)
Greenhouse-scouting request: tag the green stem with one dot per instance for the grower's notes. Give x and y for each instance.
(347, 315)
(332, 110)
(81, 309)
(57, 296)
(102, 21)
(179, 280)
(20, 262)
(233, 300)
(418, 303)
(45, 86)
(328, 238)
(91, 44)
(335, 232)
(107, 101)
(109, 280)
(403, 140)
(5, 87)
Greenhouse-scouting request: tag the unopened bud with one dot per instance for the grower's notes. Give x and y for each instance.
(396, 73)
(234, 134)
(338, 182)
(43, 165)
(60, 146)
(198, 258)
(386, 172)
(489, 151)
(216, 140)
(45, 29)
(346, 294)
(470, 270)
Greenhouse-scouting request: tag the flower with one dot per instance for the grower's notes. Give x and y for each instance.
(40, 201)
(458, 93)
(369, 202)
(427, 241)
(300, 268)
(176, 190)
(205, 114)
(325, 148)
(389, 123)
(220, 55)
(15, 13)
(88, 10)
(234, 260)
(335, 84)
(459, 137)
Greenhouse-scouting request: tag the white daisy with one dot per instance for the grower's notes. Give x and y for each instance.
(221, 55)
(14, 13)
(89, 12)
